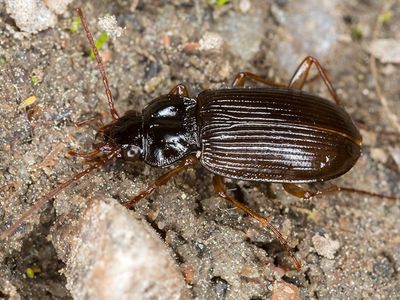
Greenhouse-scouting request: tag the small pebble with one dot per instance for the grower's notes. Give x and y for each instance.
(109, 24)
(285, 291)
(378, 154)
(211, 41)
(245, 5)
(33, 16)
(369, 137)
(325, 246)
(151, 85)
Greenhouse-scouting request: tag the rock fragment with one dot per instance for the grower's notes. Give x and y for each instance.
(118, 256)
(32, 16)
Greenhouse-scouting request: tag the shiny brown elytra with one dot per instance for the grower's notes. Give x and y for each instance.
(272, 134)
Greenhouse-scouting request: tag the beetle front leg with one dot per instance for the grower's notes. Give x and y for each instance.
(219, 188)
(241, 78)
(188, 162)
(300, 76)
(96, 120)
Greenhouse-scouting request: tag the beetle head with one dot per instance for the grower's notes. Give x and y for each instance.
(125, 133)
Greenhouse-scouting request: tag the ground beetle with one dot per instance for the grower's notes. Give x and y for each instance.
(272, 134)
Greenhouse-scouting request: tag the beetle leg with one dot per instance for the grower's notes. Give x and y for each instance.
(54, 192)
(180, 90)
(97, 120)
(299, 192)
(241, 78)
(219, 188)
(188, 162)
(300, 76)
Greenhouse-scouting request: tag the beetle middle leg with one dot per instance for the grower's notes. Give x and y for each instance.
(219, 188)
(187, 162)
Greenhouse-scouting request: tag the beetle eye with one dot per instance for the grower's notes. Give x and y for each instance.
(132, 152)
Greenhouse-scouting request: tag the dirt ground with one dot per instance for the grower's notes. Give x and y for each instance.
(348, 243)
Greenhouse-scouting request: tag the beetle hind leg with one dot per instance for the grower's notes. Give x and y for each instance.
(219, 188)
(299, 192)
(242, 77)
(300, 76)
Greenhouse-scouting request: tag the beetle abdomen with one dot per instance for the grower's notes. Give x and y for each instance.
(275, 135)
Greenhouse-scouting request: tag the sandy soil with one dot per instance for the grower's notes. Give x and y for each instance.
(221, 253)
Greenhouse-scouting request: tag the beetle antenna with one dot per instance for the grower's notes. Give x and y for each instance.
(113, 111)
(39, 204)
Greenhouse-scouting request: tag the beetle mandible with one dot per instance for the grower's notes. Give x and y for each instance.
(272, 134)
